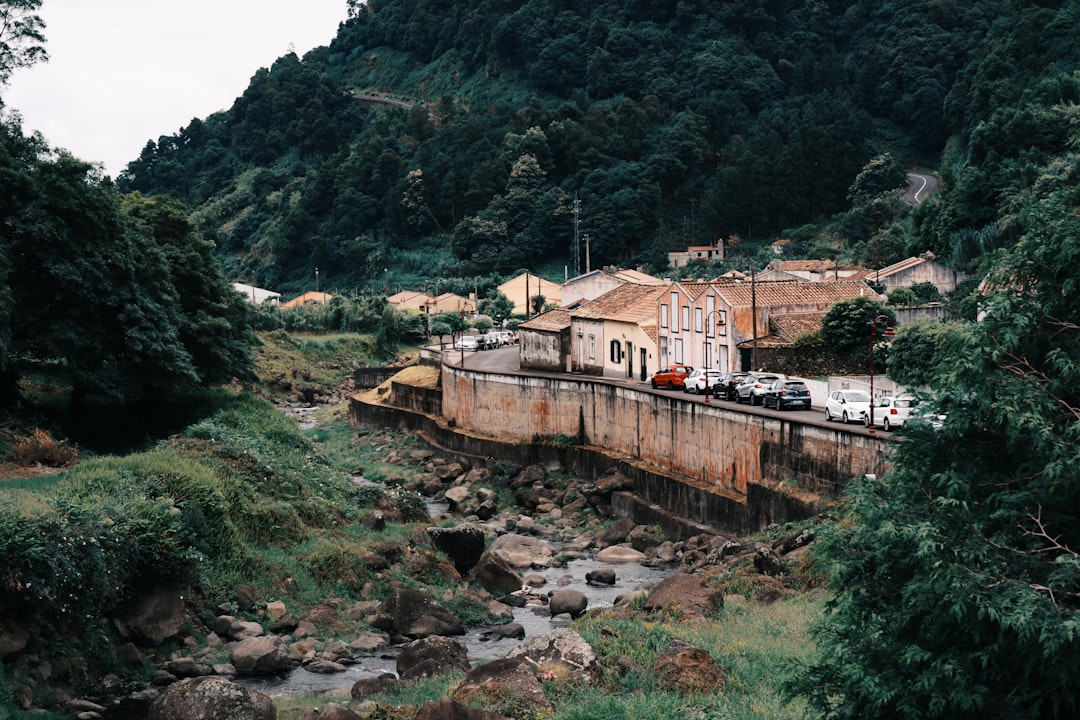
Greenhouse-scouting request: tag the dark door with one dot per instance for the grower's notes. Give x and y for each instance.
(644, 369)
(629, 359)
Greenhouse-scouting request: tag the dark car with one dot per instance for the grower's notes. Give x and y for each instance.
(787, 393)
(671, 376)
(726, 386)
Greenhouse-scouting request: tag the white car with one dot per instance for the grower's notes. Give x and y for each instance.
(847, 405)
(466, 342)
(699, 379)
(892, 412)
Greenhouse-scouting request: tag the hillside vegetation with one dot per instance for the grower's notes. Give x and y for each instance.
(669, 122)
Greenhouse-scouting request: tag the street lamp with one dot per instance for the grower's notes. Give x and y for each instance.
(720, 322)
(888, 332)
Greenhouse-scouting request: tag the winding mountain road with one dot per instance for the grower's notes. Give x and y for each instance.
(920, 187)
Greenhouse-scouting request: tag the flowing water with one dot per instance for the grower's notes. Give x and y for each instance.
(535, 620)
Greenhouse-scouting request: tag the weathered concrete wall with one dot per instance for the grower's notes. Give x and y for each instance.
(715, 446)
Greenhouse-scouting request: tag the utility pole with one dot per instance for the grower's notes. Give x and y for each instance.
(753, 312)
(577, 237)
(588, 263)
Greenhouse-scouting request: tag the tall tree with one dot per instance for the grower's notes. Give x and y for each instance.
(957, 573)
(22, 36)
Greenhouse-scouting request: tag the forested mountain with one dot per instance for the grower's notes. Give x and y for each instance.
(670, 121)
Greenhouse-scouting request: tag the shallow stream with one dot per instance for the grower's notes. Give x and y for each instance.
(536, 621)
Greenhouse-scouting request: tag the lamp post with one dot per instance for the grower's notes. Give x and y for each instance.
(888, 332)
(720, 322)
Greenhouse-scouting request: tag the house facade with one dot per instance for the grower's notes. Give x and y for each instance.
(719, 324)
(544, 342)
(528, 285)
(915, 270)
(615, 335)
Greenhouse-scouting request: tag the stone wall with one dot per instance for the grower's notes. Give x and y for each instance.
(715, 446)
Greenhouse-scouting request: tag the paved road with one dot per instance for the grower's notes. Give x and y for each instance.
(920, 187)
(507, 360)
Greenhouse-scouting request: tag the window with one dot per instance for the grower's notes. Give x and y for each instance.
(711, 316)
(686, 318)
(722, 322)
(697, 319)
(592, 347)
(678, 350)
(663, 315)
(675, 309)
(616, 351)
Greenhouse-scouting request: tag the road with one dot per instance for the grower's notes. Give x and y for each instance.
(920, 187)
(507, 360)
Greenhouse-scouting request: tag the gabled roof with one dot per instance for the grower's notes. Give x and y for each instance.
(404, 296)
(309, 297)
(552, 321)
(627, 303)
(793, 293)
(791, 325)
(636, 276)
(900, 266)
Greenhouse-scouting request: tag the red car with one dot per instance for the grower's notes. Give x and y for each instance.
(671, 376)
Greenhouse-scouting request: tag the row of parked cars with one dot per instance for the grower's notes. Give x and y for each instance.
(486, 341)
(777, 390)
(766, 389)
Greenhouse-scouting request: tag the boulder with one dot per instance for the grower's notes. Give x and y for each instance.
(431, 656)
(620, 554)
(463, 544)
(522, 551)
(495, 574)
(447, 709)
(685, 669)
(155, 618)
(509, 630)
(275, 610)
(532, 475)
(261, 656)
(333, 711)
(687, 592)
(366, 687)
(561, 647)
(600, 576)
(459, 497)
(13, 637)
(801, 539)
(211, 698)
(567, 601)
(414, 612)
(615, 534)
(643, 537)
(506, 682)
(767, 562)
(374, 520)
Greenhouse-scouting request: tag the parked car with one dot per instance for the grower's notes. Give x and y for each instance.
(752, 388)
(847, 405)
(787, 393)
(671, 376)
(488, 341)
(892, 412)
(506, 337)
(728, 383)
(697, 381)
(466, 342)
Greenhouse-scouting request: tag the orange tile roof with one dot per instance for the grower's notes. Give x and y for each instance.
(551, 321)
(794, 294)
(792, 325)
(627, 303)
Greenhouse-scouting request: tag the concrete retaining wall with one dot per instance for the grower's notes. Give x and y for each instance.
(715, 446)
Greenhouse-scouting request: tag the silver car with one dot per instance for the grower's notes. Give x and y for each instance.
(754, 387)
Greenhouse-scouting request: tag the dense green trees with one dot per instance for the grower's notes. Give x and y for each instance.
(22, 37)
(956, 573)
(752, 117)
(120, 293)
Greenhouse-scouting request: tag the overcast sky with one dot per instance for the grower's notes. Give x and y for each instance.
(126, 71)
